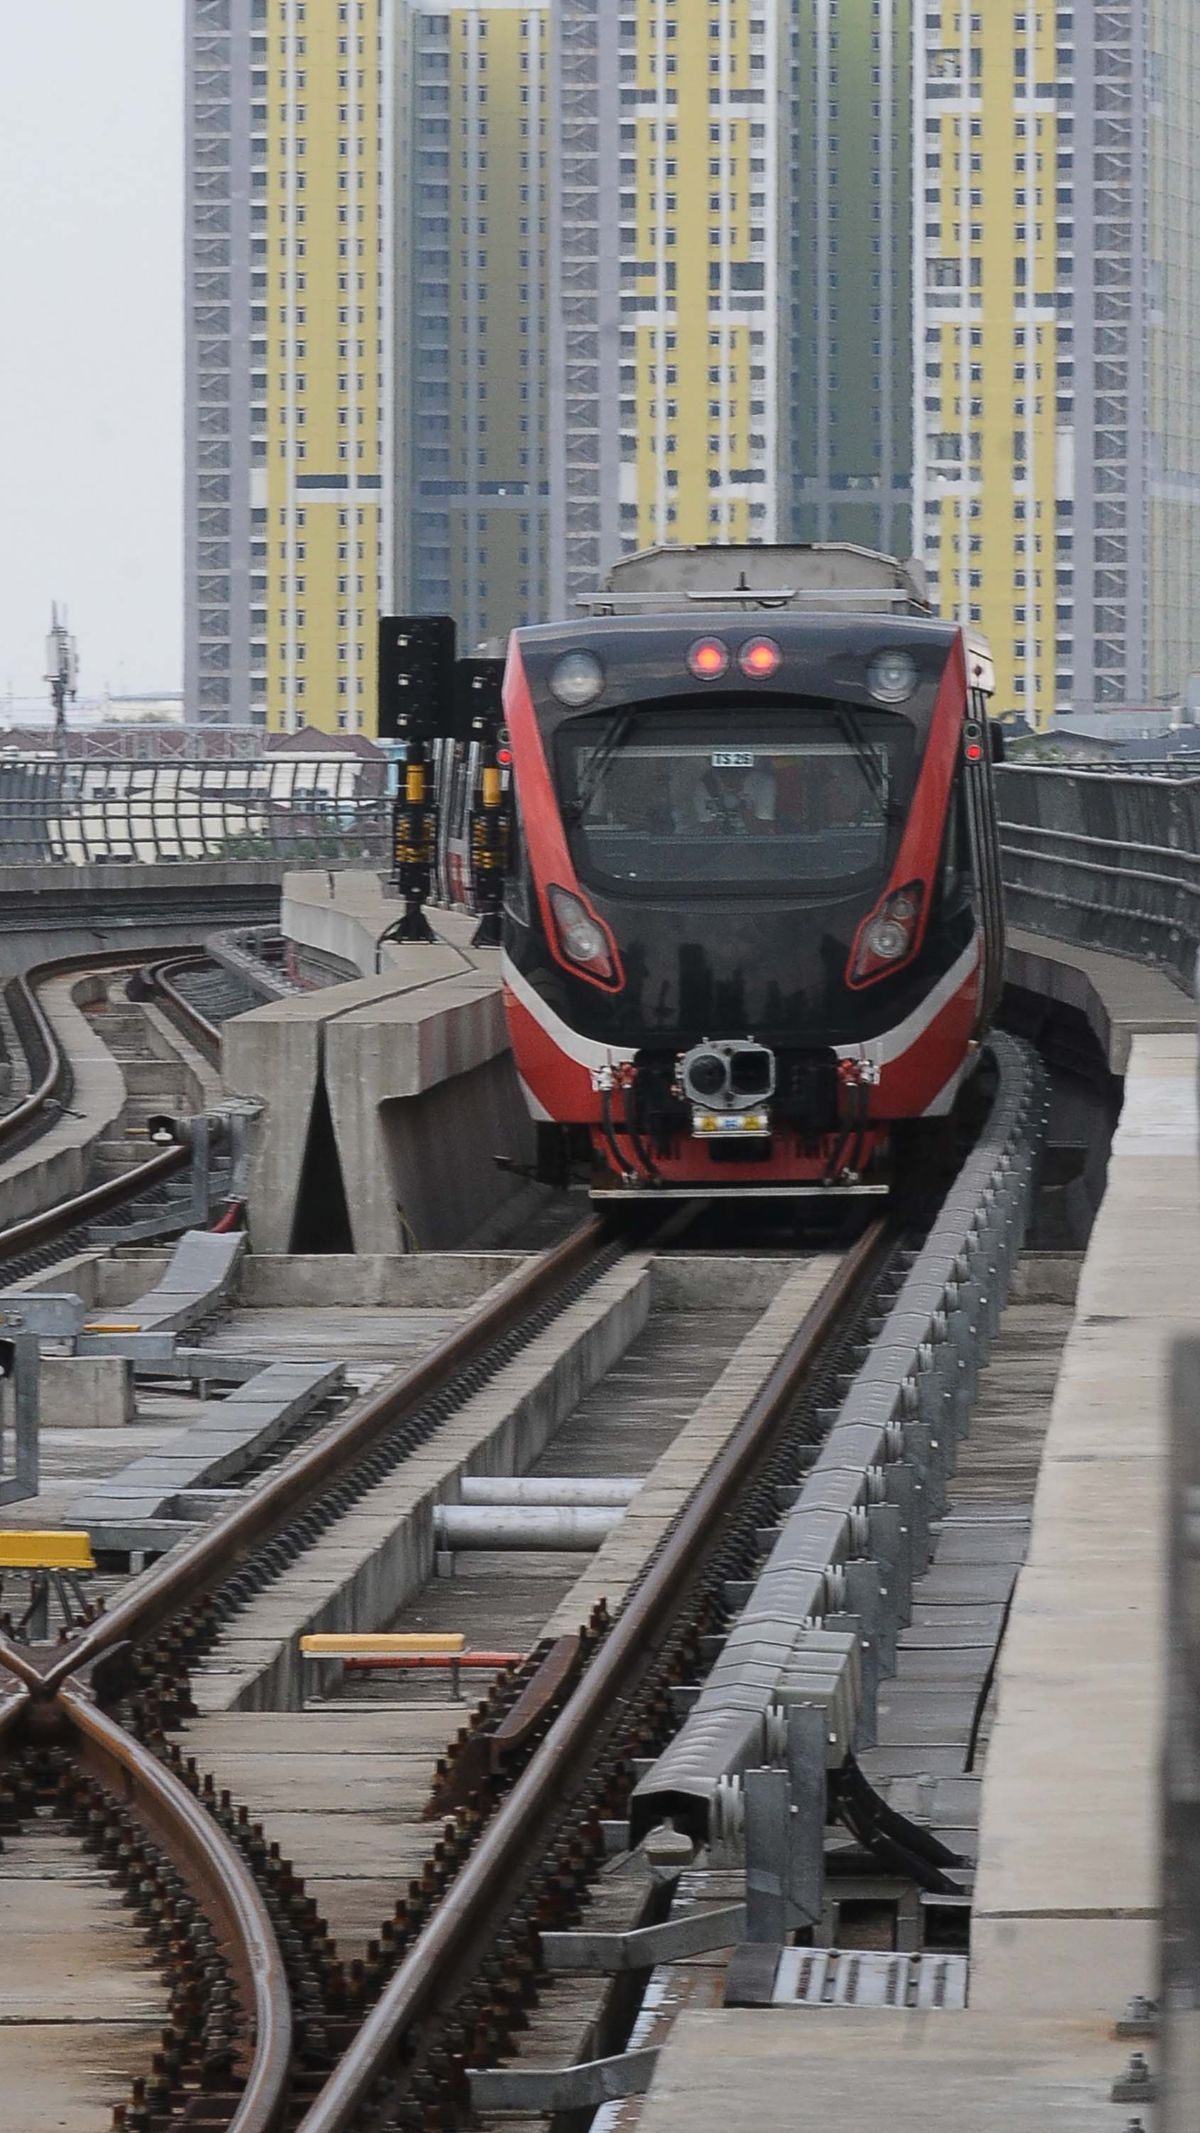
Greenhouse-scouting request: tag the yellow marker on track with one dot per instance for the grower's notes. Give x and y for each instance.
(46, 1551)
(319, 1645)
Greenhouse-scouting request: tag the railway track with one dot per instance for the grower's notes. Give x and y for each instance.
(270, 2024)
(196, 993)
(241, 1547)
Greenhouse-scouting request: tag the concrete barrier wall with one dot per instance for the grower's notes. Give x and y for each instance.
(55, 1165)
(58, 910)
(383, 1102)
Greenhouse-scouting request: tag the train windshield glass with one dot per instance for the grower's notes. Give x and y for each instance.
(735, 797)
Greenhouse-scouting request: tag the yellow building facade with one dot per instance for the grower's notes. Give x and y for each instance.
(326, 491)
(698, 273)
(993, 430)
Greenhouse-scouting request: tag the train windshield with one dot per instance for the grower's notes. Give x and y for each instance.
(734, 797)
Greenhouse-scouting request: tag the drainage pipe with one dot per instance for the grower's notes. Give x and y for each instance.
(460, 1526)
(563, 1492)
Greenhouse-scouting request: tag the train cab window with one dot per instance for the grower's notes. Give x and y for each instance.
(734, 797)
(516, 876)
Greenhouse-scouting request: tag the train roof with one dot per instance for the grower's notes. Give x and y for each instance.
(821, 577)
(644, 624)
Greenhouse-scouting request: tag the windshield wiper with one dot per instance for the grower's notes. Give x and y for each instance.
(865, 757)
(597, 763)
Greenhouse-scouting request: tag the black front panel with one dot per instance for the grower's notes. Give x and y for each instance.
(776, 972)
(734, 838)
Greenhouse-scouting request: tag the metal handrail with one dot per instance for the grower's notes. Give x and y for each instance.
(1108, 844)
(80, 811)
(1110, 861)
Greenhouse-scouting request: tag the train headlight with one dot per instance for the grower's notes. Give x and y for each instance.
(577, 680)
(892, 677)
(580, 936)
(707, 1076)
(889, 936)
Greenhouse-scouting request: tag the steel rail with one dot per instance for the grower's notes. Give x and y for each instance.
(24, 985)
(160, 978)
(182, 1576)
(473, 1899)
(23, 1001)
(16, 1659)
(223, 1886)
(53, 1222)
(202, 1854)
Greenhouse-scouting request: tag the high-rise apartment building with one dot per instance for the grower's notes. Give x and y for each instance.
(666, 261)
(846, 168)
(368, 186)
(225, 381)
(732, 276)
(328, 357)
(473, 181)
(992, 309)
(1058, 342)
(289, 358)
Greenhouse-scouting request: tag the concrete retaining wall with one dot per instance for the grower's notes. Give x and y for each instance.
(55, 1165)
(384, 1099)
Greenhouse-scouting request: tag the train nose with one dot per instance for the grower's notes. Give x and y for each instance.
(733, 1077)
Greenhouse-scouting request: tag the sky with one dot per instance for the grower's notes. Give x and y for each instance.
(91, 339)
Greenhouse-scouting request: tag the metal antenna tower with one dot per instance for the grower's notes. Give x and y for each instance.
(62, 671)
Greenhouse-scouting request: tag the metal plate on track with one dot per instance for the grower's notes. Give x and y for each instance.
(832, 1977)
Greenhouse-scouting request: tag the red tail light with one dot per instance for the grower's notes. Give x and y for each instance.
(888, 937)
(708, 659)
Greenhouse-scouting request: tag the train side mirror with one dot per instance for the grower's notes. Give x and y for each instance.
(999, 745)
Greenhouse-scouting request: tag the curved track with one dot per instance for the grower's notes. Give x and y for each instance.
(39, 1111)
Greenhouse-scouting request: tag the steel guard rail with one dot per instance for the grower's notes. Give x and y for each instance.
(867, 1502)
(207, 1861)
(1106, 858)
